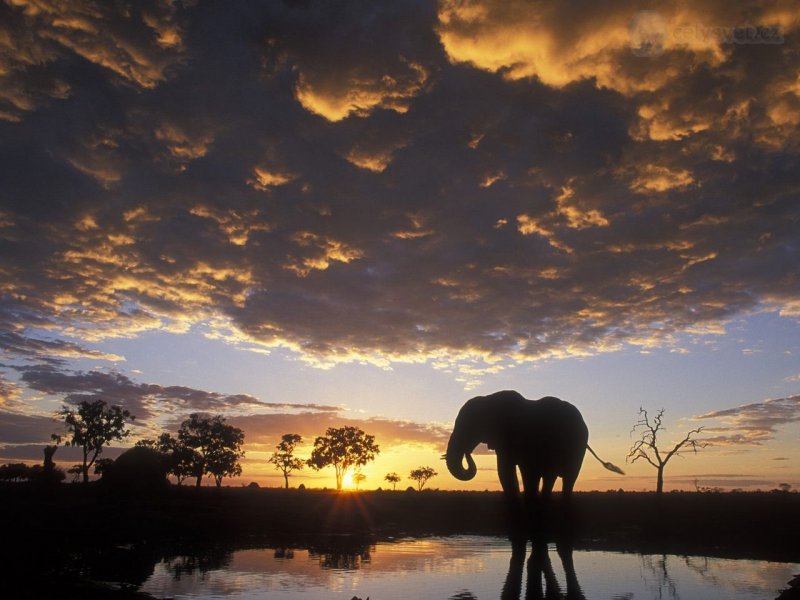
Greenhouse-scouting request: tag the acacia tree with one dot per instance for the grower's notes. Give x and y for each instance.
(179, 459)
(358, 479)
(393, 478)
(216, 447)
(646, 447)
(421, 475)
(283, 458)
(93, 425)
(343, 448)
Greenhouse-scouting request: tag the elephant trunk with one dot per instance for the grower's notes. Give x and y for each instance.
(455, 463)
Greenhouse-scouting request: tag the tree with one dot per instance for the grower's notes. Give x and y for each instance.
(358, 479)
(92, 426)
(216, 447)
(394, 479)
(421, 476)
(283, 458)
(101, 465)
(179, 459)
(646, 447)
(343, 447)
(15, 472)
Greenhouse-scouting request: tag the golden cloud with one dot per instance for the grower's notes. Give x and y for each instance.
(655, 178)
(360, 94)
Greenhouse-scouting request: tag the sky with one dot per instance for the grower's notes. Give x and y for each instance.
(304, 215)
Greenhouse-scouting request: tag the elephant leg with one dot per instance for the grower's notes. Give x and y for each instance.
(533, 507)
(548, 481)
(567, 484)
(507, 472)
(530, 479)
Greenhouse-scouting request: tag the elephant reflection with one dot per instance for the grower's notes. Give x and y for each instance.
(540, 570)
(545, 438)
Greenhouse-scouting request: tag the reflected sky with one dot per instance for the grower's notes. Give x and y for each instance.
(466, 567)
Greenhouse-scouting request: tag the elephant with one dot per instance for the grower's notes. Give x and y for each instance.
(545, 438)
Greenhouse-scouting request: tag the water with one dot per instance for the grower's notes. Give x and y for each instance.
(460, 568)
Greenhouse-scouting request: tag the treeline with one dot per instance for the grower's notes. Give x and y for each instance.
(203, 446)
(342, 448)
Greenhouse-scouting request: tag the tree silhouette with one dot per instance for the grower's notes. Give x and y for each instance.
(92, 426)
(283, 458)
(421, 475)
(15, 472)
(216, 447)
(179, 459)
(393, 478)
(646, 447)
(102, 464)
(358, 479)
(343, 448)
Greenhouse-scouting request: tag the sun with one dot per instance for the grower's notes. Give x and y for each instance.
(347, 481)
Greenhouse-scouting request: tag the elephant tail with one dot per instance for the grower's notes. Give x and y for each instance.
(607, 465)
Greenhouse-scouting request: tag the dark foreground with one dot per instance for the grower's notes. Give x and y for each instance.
(66, 535)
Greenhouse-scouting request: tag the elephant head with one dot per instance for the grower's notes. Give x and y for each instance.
(476, 423)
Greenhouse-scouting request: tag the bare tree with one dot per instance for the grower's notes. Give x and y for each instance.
(646, 447)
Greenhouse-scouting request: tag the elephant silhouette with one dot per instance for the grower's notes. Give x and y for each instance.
(545, 438)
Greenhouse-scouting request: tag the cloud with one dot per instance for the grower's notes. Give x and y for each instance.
(146, 401)
(18, 428)
(265, 430)
(473, 185)
(44, 39)
(65, 456)
(752, 424)
(22, 346)
(353, 60)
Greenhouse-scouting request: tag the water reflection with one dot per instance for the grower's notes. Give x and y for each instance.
(458, 568)
(540, 569)
(201, 561)
(655, 574)
(347, 553)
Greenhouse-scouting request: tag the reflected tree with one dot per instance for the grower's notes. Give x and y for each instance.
(661, 583)
(284, 552)
(342, 554)
(199, 560)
